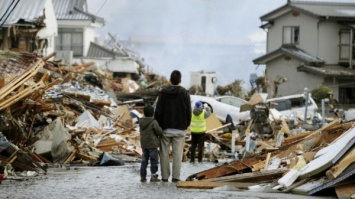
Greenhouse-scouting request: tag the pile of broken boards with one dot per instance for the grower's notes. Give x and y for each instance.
(50, 116)
(311, 163)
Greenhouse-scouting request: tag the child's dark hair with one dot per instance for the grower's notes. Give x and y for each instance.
(148, 111)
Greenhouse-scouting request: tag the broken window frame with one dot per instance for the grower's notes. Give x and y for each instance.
(291, 35)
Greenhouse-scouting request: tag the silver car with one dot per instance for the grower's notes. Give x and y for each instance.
(295, 105)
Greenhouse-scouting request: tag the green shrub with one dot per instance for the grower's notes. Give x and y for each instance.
(320, 93)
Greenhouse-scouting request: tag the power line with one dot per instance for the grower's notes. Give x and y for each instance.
(8, 13)
(102, 5)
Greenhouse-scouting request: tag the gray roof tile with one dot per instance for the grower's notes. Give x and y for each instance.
(73, 10)
(293, 51)
(96, 50)
(329, 70)
(331, 10)
(326, 9)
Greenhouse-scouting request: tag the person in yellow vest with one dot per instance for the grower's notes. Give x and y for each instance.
(198, 130)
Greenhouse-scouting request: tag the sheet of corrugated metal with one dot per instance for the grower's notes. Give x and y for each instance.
(26, 10)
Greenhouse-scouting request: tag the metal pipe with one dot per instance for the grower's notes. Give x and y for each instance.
(306, 104)
(323, 110)
(351, 49)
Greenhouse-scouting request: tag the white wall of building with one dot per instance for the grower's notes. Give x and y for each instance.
(51, 30)
(296, 81)
(196, 79)
(89, 36)
(329, 48)
(88, 31)
(308, 32)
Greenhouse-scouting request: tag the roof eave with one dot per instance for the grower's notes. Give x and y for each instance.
(94, 18)
(269, 16)
(267, 57)
(267, 25)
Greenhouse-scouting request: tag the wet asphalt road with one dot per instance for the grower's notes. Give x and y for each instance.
(117, 182)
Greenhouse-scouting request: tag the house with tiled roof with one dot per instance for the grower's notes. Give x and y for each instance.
(76, 26)
(76, 40)
(27, 26)
(311, 43)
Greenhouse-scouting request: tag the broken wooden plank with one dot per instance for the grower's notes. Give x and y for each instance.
(345, 191)
(211, 185)
(19, 165)
(337, 169)
(296, 184)
(267, 161)
(329, 155)
(81, 68)
(227, 169)
(217, 128)
(46, 58)
(42, 158)
(19, 80)
(256, 177)
(10, 159)
(70, 158)
(16, 97)
(86, 157)
(294, 138)
(34, 157)
(258, 166)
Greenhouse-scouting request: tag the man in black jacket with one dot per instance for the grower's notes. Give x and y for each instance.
(173, 113)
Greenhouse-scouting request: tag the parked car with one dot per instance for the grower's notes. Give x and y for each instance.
(296, 105)
(222, 106)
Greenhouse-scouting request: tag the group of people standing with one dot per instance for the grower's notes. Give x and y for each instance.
(166, 127)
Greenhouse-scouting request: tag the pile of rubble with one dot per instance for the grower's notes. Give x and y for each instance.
(302, 162)
(54, 114)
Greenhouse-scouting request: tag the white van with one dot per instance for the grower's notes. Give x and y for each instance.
(296, 105)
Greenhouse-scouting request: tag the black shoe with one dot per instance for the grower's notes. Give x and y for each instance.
(175, 180)
(164, 180)
(143, 179)
(154, 178)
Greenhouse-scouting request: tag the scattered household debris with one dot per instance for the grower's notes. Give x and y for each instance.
(53, 114)
(306, 163)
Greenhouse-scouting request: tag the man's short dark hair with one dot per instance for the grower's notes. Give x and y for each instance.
(175, 77)
(148, 111)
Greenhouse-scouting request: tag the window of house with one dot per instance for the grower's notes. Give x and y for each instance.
(346, 41)
(291, 35)
(70, 39)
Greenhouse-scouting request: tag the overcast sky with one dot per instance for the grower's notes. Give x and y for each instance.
(225, 22)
